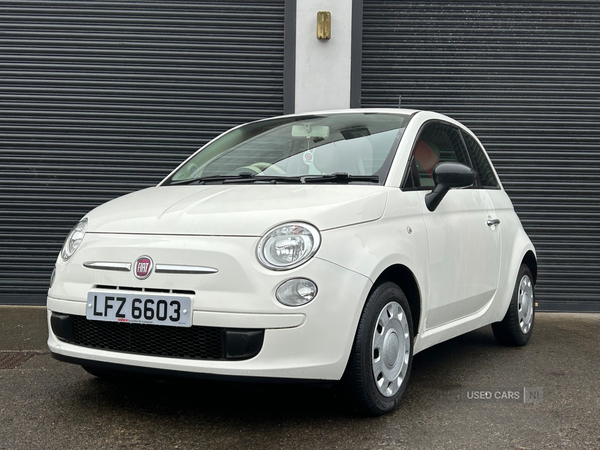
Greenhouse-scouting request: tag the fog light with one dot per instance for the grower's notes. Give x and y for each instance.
(296, 292)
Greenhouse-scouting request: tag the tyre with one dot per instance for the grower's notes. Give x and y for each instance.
(381, 358)
(517, 326)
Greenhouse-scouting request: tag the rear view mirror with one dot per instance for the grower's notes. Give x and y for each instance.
(446, 176)
(306, 130)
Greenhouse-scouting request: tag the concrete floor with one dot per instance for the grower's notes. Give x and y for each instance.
(52, 405)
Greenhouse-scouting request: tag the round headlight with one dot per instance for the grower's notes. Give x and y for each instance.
(296, 292)
(74, 239)
(288, 246)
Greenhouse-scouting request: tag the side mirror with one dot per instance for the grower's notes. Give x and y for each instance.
(446, 176)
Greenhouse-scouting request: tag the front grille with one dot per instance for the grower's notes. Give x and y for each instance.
(145, 289)
(155, 340)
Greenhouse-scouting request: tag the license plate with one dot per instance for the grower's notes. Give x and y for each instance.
(155, 309)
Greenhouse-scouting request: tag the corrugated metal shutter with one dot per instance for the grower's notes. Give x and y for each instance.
(98, 99)
(525, 76)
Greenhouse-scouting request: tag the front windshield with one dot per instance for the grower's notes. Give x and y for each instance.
(356, 144)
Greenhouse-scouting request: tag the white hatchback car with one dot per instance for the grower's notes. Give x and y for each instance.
(323, 246)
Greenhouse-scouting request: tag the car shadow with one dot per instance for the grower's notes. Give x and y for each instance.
(440, 367)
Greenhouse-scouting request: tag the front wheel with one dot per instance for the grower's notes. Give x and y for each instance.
(381, 358)
(517, 326)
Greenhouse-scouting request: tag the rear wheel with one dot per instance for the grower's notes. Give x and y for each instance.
(517, 326)
(381, 358)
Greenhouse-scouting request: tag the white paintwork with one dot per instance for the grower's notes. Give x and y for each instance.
(232, 210)
(463, 255)
(323, 66)
(365, 230)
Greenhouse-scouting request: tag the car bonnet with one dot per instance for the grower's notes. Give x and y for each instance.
(236, 210)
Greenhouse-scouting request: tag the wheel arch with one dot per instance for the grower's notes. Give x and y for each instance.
(531, 261)
(406, 280)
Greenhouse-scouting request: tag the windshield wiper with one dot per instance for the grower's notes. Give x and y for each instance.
(244, 177)
(340, 177)
(247, 177)
(201, 180)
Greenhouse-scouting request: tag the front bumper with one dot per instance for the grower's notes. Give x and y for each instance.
(310, 342)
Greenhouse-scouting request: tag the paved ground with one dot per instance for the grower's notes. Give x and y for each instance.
(51, 405)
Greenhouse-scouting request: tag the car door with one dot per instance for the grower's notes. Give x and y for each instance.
(463, 241)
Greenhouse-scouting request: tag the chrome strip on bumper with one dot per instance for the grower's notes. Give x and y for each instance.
(118, 266)
(160, 268)
(167, 268)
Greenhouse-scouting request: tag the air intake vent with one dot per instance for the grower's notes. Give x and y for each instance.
(206, 343)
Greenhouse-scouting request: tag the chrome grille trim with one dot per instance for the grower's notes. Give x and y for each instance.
(145, 289)
(168, 268)
(117, 266)
(160, 268)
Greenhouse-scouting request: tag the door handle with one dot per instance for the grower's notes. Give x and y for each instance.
(492, 222)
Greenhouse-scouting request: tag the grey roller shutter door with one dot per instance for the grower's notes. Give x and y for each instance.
(525, 76)
(98, 99)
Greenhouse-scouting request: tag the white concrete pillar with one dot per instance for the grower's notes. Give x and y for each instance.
(322, 67)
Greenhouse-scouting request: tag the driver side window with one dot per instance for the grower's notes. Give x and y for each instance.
(437, 142)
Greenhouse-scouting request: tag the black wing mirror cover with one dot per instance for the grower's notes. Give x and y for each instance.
(446, 176)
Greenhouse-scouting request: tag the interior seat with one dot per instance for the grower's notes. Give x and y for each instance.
(347, 156)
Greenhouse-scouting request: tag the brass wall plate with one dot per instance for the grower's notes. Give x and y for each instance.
(323, 25)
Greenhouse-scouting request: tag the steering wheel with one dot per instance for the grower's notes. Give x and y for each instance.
(260, 167)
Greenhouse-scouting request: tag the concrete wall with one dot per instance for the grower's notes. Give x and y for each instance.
(322, 73)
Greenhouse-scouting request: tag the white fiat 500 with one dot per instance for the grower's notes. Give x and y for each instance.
(318, 247)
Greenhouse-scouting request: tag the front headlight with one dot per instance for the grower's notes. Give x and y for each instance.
(74, 239)
(288, 246)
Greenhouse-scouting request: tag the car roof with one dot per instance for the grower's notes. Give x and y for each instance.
(357, 110)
